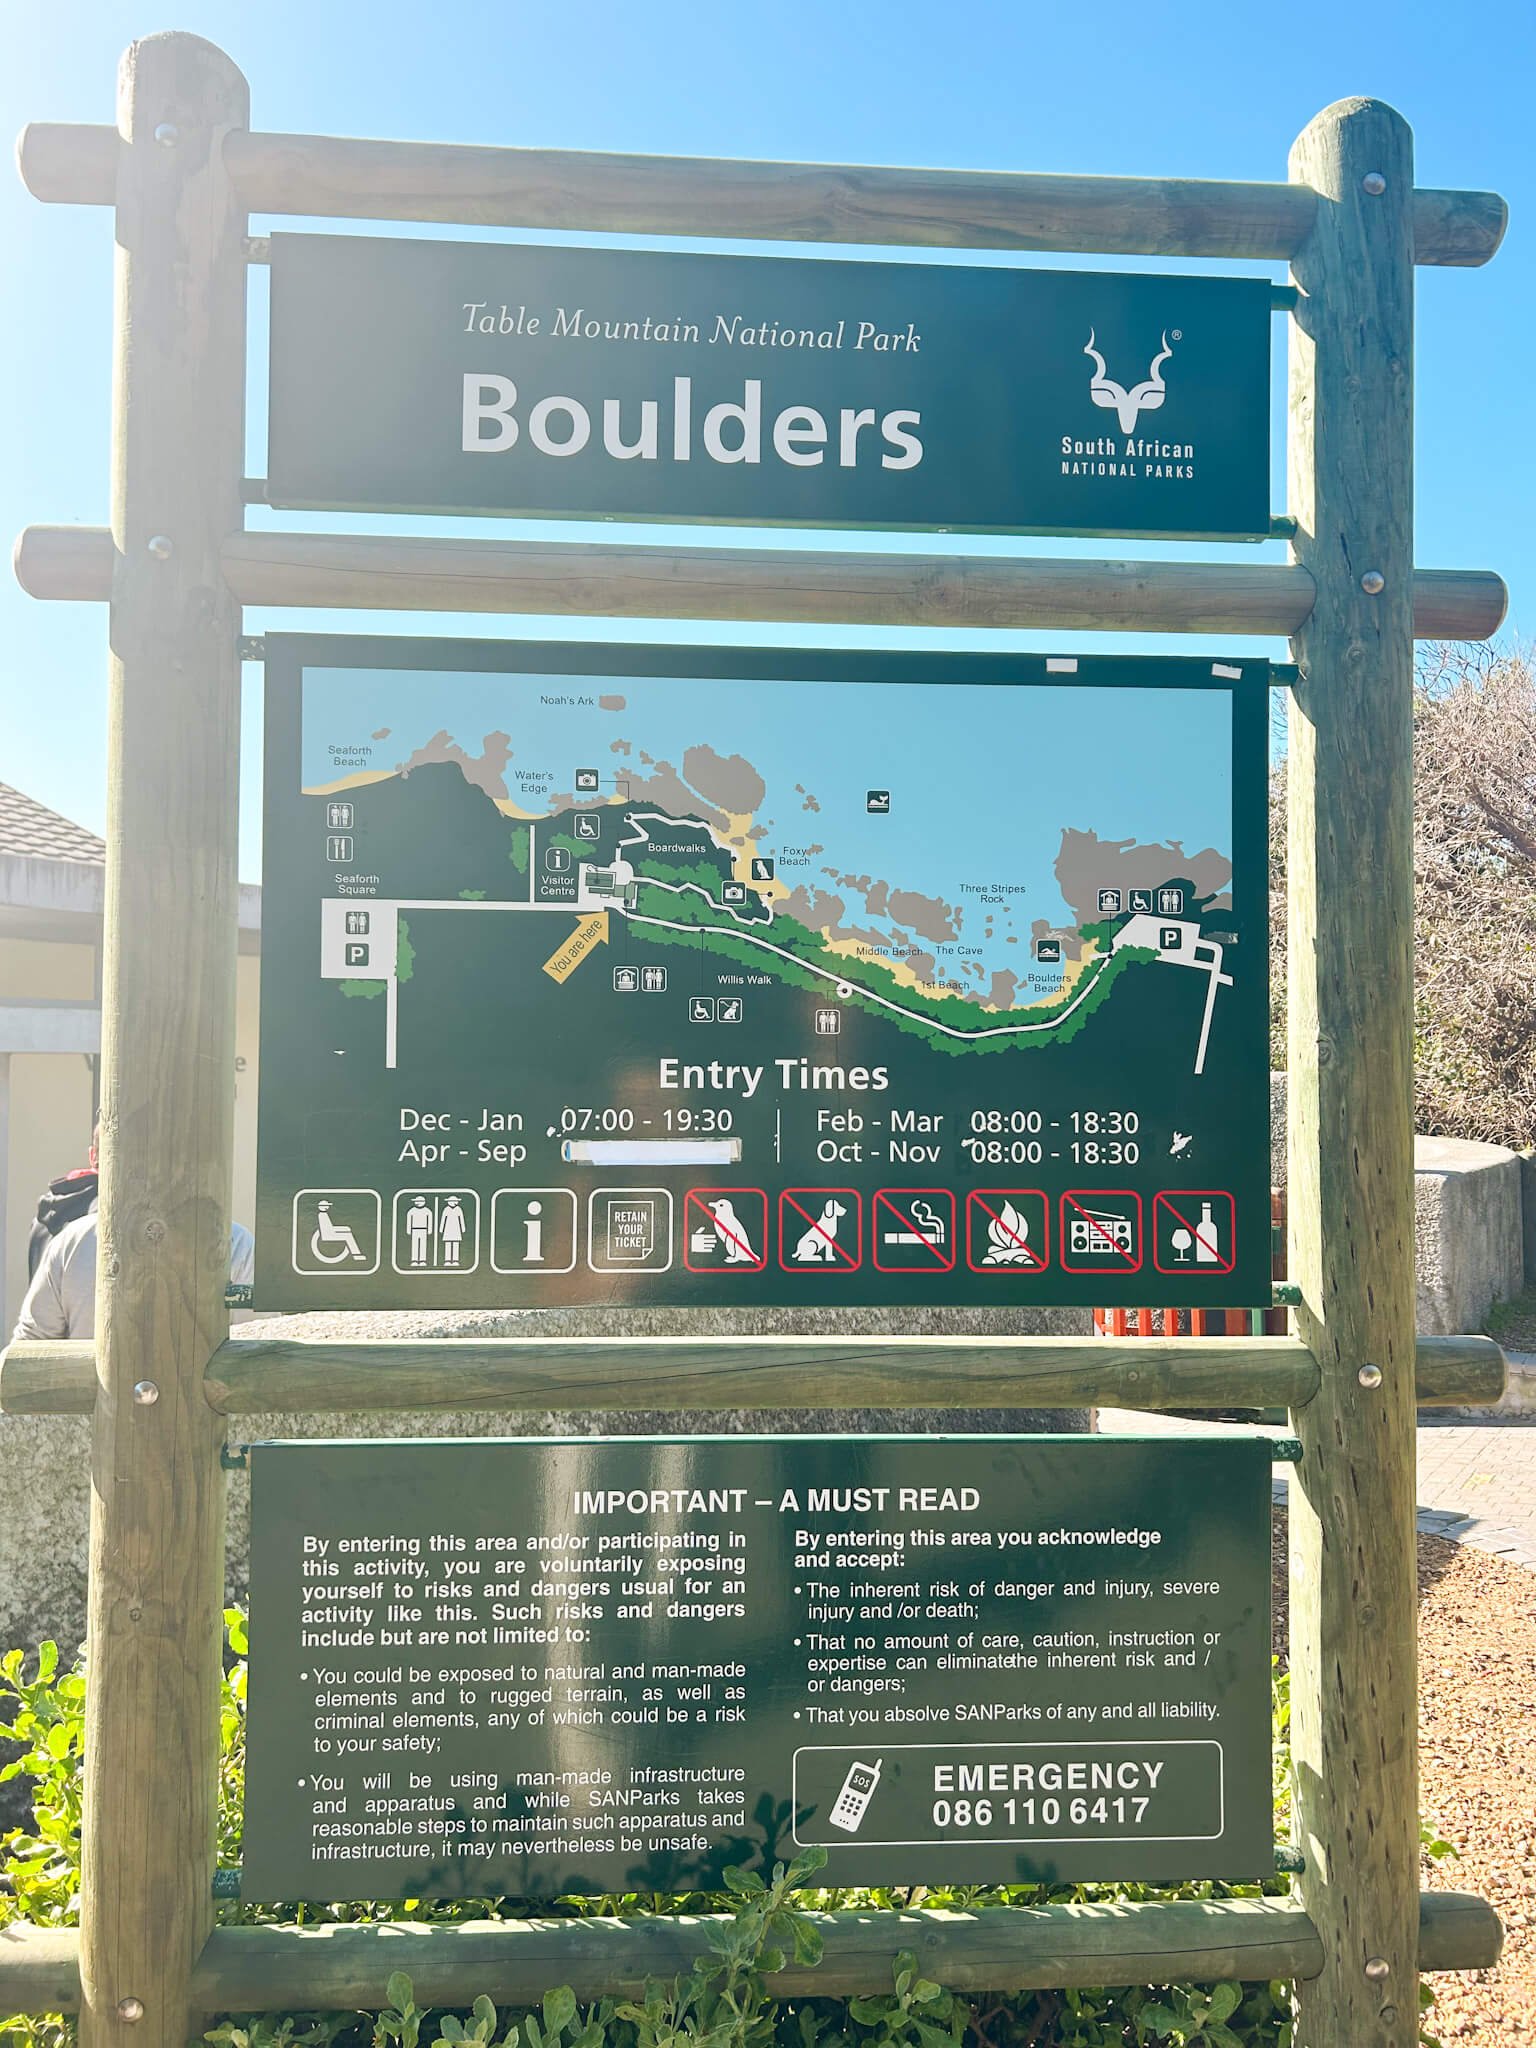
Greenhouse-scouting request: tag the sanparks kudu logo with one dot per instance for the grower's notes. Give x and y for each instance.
(1129, 454)
(1130, 404)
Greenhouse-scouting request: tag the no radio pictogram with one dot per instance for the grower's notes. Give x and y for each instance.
(1101, 1230)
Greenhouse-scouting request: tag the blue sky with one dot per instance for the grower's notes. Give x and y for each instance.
(1190, 88)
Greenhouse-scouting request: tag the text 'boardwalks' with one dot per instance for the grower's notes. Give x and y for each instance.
(537, 1668)
(670, 976)
(424, 376)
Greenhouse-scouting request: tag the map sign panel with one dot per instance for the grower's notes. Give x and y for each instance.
(729, 977)
(538, 1668)
(417, 376)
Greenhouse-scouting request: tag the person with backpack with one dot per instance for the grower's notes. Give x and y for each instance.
(64, 1200)
(61, 1300)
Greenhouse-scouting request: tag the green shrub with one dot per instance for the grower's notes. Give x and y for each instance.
(724, 2001)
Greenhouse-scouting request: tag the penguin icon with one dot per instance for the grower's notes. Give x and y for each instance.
(739, 1249)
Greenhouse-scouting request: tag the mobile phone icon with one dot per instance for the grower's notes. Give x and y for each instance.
(851, 1804)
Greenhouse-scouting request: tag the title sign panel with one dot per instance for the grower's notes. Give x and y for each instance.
(544, 1668)
(706, 976)
(413, 376)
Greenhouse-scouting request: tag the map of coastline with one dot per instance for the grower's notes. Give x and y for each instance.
(1045, 893)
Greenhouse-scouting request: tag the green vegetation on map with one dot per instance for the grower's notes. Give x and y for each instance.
(911, 1009)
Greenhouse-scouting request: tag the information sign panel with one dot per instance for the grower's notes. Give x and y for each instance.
(539, 1668)
(417, 376)
(725, 977)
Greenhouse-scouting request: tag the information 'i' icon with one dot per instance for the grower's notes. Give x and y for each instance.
(533, 1230)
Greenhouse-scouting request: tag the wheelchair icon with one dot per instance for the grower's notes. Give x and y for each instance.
(332, 1238)
(328, 1232)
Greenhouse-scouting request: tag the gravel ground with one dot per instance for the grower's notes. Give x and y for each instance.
(1513, 1323)
(1477, 1733)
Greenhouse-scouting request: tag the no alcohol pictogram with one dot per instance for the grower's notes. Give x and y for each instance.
(1194, 1232)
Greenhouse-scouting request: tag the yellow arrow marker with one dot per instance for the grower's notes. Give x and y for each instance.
(567, 957)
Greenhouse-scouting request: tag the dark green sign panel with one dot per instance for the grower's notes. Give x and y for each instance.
(731, 978)
(620, 384)
(541, 1668)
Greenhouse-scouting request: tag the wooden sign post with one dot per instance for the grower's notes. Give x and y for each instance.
(156, 1593)
(183, 170)
(1354, 1585)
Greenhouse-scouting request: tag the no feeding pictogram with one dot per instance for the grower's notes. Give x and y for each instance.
(821, 1230)
(725, 1230)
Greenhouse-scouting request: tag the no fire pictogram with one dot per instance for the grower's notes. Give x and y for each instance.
(1007, 1230)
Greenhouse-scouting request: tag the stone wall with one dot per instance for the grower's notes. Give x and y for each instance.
(1468, 1232)
(1472, 1225)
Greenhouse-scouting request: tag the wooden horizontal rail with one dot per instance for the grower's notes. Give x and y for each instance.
(997, 1948)
(1459, 1372)
(791, 585)
(341, 177)
(299, 1376)
(39, 1969)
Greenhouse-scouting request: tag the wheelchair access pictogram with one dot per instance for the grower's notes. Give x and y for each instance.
(336, 1230)
(1007, 1230)
(914, 1230)
(725, 1230)
(1194, 1232)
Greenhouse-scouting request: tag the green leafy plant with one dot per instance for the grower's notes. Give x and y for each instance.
(916, 2010)
(559, 2023)
(47, 1720)
(1191, 2018)
(726, 2000)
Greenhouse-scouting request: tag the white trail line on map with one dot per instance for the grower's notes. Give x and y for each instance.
(1203, 953)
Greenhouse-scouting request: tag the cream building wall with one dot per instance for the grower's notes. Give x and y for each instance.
(53, 1095)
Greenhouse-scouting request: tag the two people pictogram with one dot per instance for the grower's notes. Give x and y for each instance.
(435, 1229)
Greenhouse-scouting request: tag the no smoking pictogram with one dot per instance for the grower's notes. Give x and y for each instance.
(914, 1230)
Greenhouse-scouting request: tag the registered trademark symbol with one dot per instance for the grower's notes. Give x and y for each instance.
(1178, 333)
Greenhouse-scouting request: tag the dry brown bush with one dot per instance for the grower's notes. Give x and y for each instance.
(1474, 850)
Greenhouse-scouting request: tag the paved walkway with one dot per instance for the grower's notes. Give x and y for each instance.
(1476, 1480)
